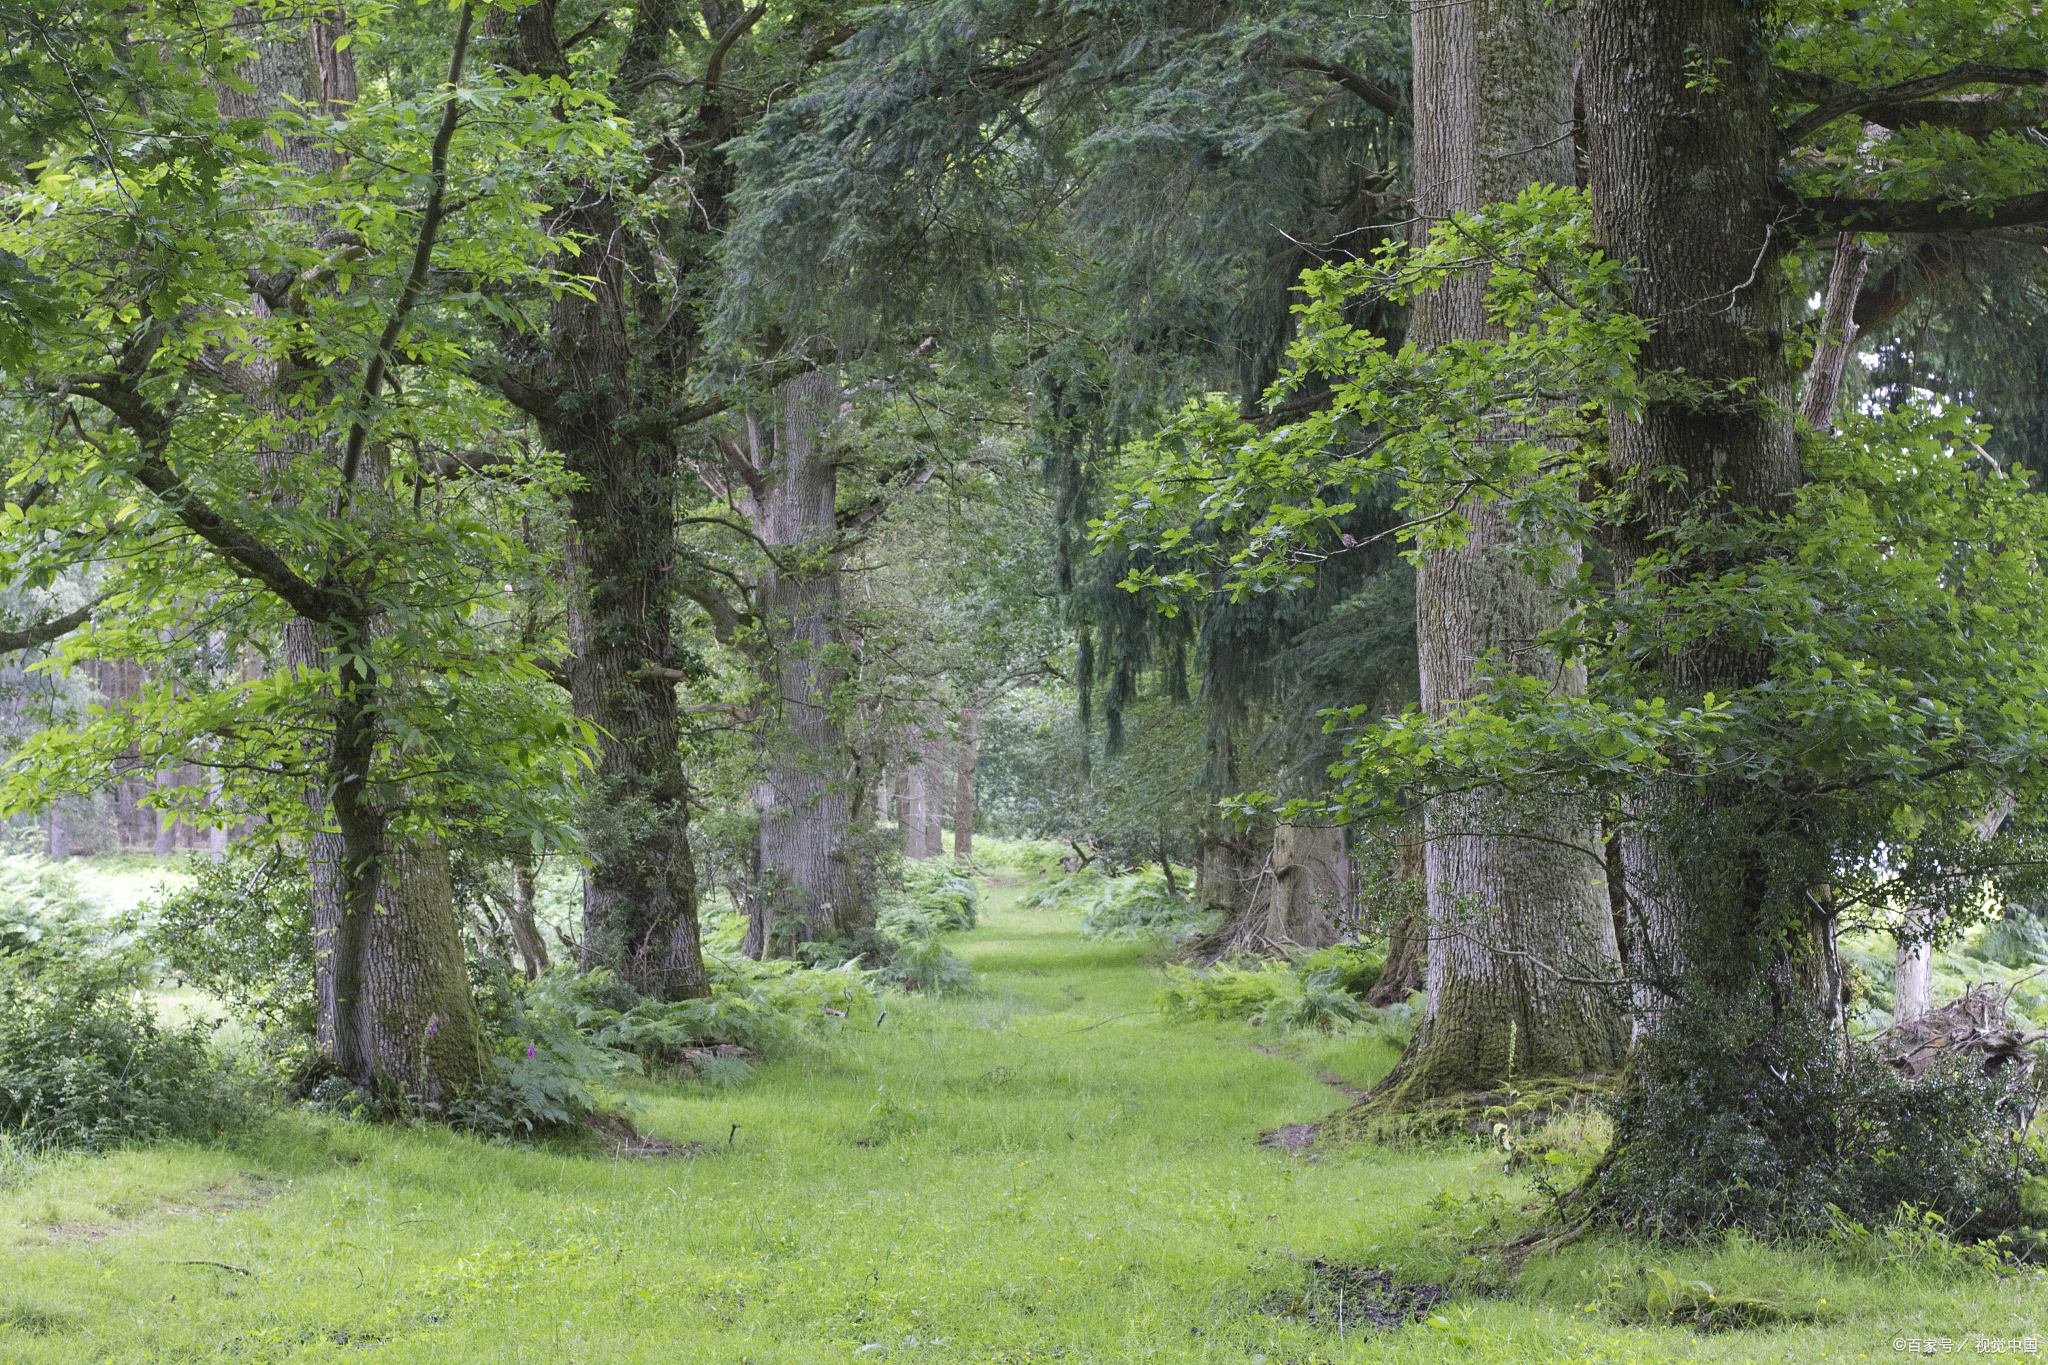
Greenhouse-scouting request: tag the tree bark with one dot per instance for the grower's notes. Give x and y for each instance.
(1682, 153)
(423, 1026)
(1310, 896)
(815, 892)
(963, 785)
(1838, 332)
(587, 383)
(533, 949)
(1510, 892)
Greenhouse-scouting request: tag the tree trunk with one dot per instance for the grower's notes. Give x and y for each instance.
(915, 815)
(1681, 175)
(1310, 897)
(933, 774)
(1838, 332)
(815, 890)
(963, 786)
(60, 835)
(423, 1024)
(582, 382)
(1511, 892)
(533, 949)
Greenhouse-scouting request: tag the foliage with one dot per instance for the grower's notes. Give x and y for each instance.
(85, 1062)
(1809, 1140)
(1321, 993)
(1130, 905)
(242, 930)
(41, 909)
(927, 965)
(549, 1069)
(935, 898)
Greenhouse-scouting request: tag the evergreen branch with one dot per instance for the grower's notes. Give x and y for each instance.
(13, 641)
(1814, 217)
(422, 256)
(1382, 100)
(1843, 100)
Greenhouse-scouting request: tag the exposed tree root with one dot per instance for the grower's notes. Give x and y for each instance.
(1389, 1116)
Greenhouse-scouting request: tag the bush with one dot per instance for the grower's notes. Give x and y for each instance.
(926, 965)
(1322, 992)
(1134, 905)
(41, 908)
(85, 1063)
(1791, 1139)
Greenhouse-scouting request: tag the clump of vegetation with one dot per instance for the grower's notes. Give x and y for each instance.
(1847, 1139)
(242, 930)
(935, 898)
(1131, 905)
(84, 1060)
(1321, 992)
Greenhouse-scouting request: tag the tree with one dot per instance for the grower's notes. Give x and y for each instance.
(229, 335)
(1493, 114)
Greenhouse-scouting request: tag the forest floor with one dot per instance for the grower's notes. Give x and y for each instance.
(1046, 1171)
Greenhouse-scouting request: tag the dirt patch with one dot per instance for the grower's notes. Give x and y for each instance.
(1340, 1297)
(215, 1200)
(1294, 1137)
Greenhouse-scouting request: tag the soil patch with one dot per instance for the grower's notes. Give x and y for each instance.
(627, 1143)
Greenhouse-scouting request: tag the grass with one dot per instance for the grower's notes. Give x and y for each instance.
(1044, 1172)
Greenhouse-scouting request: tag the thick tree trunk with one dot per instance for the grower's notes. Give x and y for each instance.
(60, 833)
(815, 888)
(423, 1026)
(585, 384)
(1681, 174)
(1310, 897)
(1516, 896)
(963, 785)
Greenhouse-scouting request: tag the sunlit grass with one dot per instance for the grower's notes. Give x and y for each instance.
(1044, 1172)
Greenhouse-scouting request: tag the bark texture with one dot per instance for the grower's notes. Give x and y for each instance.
(1510, 892)
(1838, 332)
(813, 891)
(424, 1031)
(1682, 157)
(1309, 900)
(963, 784)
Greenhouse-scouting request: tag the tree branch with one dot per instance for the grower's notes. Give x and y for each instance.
(13, 641)
(422, 256)
(1843, 100)
(1382, 100)
(714, 65)
(1814, 217)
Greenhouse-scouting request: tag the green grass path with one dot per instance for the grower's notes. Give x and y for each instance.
(1044, 1172)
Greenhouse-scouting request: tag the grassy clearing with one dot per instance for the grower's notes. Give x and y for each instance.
(1047, 1171)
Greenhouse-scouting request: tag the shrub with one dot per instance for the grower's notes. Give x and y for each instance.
(41, 908)
(1321, 992)
(84, 1061)
(1809, 1139)
(926, 965)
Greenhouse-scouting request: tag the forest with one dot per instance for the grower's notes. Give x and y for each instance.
(964, 680)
